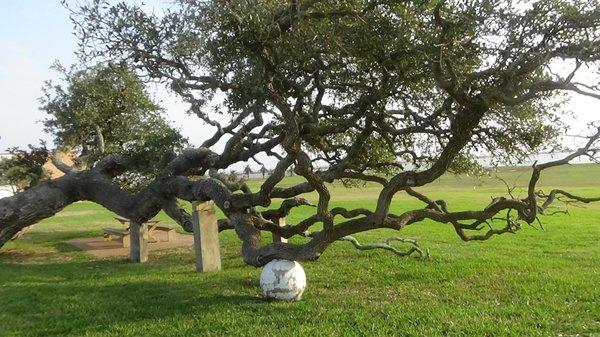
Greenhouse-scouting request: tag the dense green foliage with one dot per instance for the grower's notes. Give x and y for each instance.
(361, 72)
(538, 283)
(24, 168)
(107, 110)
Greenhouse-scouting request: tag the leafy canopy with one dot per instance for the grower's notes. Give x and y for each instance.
(361, 71)
(24, 168)
(107, 110)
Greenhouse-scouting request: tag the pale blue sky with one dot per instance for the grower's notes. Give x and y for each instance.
(35, 33)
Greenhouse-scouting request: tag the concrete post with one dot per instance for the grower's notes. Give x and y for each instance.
(206, 237)
(138, 249)
(277, 238)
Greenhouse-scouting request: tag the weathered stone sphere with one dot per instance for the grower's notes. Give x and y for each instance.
(282, 280)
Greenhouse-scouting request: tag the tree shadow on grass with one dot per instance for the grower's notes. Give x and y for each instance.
(64, 247)
(83, 297)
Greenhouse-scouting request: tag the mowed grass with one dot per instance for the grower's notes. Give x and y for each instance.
(533, 283)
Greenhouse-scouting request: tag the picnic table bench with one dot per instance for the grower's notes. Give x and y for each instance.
(123, 234)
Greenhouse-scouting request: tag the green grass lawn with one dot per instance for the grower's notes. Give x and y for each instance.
(536, 282)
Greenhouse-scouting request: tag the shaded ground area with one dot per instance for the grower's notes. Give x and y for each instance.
(534, 283)
(100, 247)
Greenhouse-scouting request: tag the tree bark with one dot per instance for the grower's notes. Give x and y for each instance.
(39, 202)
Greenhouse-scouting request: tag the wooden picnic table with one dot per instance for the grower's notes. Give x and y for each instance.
(124, 234)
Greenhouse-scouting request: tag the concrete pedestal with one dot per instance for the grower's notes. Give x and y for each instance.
(206, 237)
(277, 238)
(138, 249)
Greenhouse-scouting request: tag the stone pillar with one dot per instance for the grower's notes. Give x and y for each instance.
(206, 237)
(277, 238)
(138, 249)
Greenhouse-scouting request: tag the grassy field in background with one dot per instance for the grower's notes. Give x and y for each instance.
(534, 283)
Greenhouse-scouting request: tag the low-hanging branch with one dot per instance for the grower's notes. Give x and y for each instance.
(387, 245)
(315, 89)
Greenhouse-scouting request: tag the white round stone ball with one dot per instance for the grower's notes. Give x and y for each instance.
(282, 280)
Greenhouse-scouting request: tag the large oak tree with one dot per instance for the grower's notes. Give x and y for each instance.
(391, 92)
